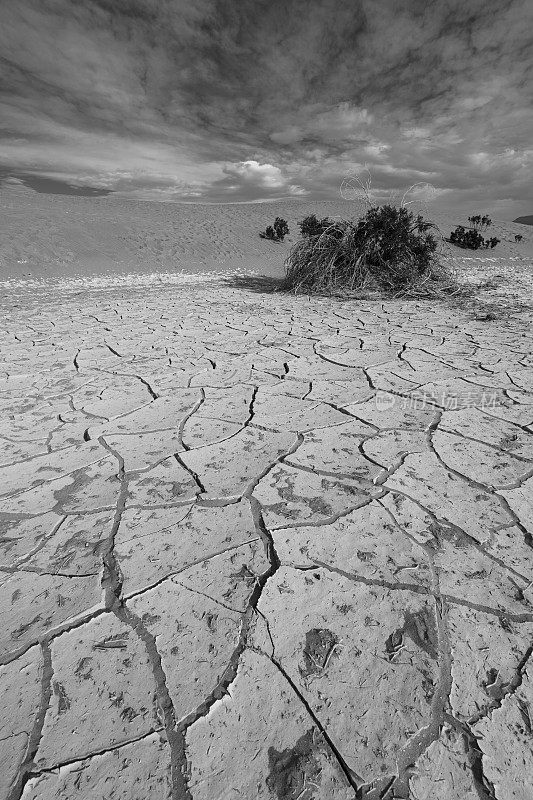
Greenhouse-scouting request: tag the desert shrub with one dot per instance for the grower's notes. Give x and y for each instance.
(268, 233)
(471, 239)
(281, 227)
(518, 237)
(478, 221)
(312, 226)
(277, 232)
(467, 238)
(387, 248)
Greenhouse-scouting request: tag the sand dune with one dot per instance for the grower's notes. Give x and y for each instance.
(63, 236)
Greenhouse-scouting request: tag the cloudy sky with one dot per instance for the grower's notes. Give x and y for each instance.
(235, 100)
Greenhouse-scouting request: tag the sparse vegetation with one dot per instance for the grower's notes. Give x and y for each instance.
(268, 233)
(312, 226)
(281, 228)
(388, 248)
(480, 222)
(471, 239)
(518, 237)
(276, 232)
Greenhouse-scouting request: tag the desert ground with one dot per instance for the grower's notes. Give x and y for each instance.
(256, 545)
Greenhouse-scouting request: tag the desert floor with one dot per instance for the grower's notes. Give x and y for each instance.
(256, 545)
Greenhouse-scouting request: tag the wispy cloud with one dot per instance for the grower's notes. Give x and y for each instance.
(255, 99)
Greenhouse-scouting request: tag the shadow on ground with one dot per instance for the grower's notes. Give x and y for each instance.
(478, 301)
(263, 284)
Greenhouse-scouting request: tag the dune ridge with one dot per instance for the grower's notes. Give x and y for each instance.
(58, 236)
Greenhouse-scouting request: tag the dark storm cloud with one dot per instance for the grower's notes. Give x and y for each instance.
(247, 99)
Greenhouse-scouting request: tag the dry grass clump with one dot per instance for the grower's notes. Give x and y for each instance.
(388, 249)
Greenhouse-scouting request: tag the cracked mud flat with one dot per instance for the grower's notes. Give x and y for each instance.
(255, 546)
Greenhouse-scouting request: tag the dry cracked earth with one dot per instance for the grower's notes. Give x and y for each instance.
(260, 547)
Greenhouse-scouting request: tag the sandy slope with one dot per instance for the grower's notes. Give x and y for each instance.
(54, 235)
